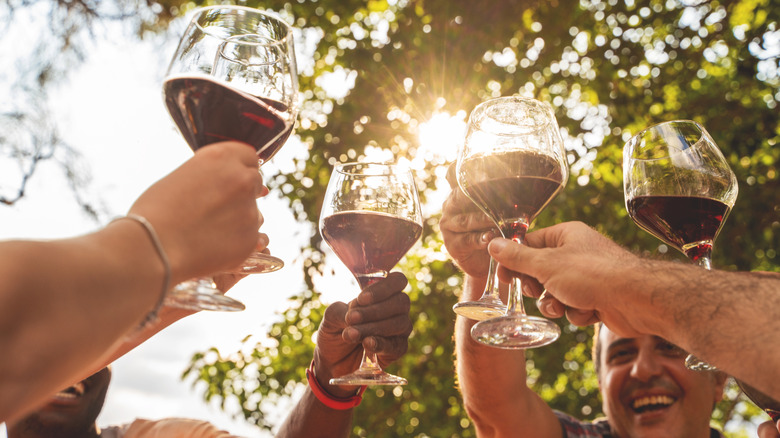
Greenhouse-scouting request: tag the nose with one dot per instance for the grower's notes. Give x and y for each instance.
(646, 366)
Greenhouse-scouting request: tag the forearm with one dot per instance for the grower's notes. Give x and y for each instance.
(493, 384)
(311, 418)
(725, 318)
(64, 304)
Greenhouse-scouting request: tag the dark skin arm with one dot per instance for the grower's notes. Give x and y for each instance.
(377, 321)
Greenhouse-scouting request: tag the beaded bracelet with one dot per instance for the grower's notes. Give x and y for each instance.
(151, 317)
(339, 403)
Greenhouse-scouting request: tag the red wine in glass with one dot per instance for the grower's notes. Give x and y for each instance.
(517, 186)
(369, 243)
(370, 217)
(207, 111)
(688, 223)
(679, 187)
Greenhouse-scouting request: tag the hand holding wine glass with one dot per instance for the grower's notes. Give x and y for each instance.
(512, 165)
(233, 77)
(679, 188)
(370, 217)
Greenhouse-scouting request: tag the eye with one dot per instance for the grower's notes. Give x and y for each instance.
(670, 350)
(620, 355)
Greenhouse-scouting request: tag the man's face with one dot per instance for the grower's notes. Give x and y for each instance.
(648, 392)
(70, 412)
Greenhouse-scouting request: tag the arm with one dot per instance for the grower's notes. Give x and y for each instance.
(492, 381)
(65, 303)
(712, 314)
(377, 320)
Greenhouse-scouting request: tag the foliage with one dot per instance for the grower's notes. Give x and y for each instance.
(609, 68)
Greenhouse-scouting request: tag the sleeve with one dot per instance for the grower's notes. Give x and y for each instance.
(174, 428)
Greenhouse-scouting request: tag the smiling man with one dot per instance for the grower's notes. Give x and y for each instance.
(646, 391)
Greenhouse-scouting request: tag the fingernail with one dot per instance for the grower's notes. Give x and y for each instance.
(370, 344)
(353, 317)
(485, 237)
(352, 334)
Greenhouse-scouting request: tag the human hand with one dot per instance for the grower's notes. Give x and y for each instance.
(205, 211)
(466, 230)
(377, 320)
(769, 429)
(578, 267)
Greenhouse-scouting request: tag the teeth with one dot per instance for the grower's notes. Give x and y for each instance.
(71, 392)
(656, 400)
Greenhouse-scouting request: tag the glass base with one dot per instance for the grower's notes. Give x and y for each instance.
(516, 332)
(260, 263)
(694, 363)
(201, 294)
(480, 310)
(369, 376)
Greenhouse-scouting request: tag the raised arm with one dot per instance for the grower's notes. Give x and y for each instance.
(725, 318)
(65, 303)
(377, 320)
(492, 381)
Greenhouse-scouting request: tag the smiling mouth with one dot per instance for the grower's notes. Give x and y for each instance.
(71, 392)
(651, 403)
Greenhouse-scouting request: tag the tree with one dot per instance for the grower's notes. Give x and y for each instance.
(609, 68)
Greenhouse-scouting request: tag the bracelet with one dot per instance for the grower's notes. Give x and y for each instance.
(339, 403)
(151, 317)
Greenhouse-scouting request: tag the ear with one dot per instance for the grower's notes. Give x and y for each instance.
(720, 378)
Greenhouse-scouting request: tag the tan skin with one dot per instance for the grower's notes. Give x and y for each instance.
(493, 381)
(378, 320)
(712, 323)
(54, 293)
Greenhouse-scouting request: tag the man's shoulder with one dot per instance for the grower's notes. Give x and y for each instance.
(574, 428)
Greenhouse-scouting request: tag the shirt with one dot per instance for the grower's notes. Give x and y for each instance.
(574, 428)
(165, 428)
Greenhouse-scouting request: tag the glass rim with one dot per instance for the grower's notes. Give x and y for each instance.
(542, 106)
(632, 145)
(271, 43)
(391, 168)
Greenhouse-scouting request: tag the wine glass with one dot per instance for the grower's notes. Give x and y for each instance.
(489, 305)
(370, 218)
(233, 77)
(679, 188)
(763, 401)
(512, 165)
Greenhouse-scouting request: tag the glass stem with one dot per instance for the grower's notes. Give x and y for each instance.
(705, 262)
(369, 362)
(491, 288)
(514, 305)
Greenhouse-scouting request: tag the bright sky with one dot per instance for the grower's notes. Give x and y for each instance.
(112, 111)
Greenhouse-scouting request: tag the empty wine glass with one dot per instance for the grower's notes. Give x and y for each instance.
(512, 165)
(489, 305)
(679, 188)
(370, 218)
(233, 77)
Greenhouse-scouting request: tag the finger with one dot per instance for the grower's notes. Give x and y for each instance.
(452, 175)
(260, 219)
(225, 281)
(387, 349)
(531, 287)
(382, 290)
(581, 318)
(262, 242)
(333, 321)
(550, 306)
(396, 305)
(399, 325)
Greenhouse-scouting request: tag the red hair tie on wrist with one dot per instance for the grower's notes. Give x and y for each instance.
(328, 400)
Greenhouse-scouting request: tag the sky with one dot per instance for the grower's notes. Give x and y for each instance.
(111, 109)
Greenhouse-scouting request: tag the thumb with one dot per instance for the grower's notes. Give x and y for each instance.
(510, 254)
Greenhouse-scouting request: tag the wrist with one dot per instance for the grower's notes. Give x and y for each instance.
(330, 400)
